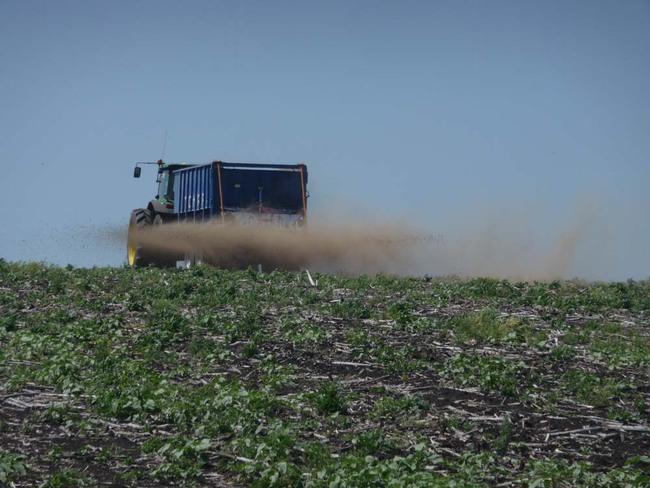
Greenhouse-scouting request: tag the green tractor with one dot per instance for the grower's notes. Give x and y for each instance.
(159, 210)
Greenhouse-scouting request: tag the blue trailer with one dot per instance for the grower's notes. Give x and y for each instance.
(232, 191)
(251, 193)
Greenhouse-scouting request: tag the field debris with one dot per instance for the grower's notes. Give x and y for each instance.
(211, 377)
(311, 280)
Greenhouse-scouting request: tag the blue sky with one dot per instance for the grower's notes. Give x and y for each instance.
(461, 116)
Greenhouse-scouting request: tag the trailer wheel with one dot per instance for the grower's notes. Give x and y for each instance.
(137, 255)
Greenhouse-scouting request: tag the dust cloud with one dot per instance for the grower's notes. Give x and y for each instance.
(510, 248)
(523, 245)
(344, 248)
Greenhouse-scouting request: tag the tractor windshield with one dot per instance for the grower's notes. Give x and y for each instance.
(166, 186)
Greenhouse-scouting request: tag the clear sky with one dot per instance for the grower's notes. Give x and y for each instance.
(463, 116)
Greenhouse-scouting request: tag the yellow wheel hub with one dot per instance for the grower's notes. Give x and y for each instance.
(132, 248)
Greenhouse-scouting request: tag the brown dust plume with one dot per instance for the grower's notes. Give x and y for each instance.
(365, 248)
(351, 249)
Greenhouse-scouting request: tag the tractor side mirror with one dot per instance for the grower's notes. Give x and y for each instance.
(137, 171)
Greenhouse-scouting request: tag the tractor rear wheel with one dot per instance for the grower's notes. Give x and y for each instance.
(137, 255)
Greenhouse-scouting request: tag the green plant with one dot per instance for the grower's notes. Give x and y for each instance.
(330, 399)
(407, 405)
(562, 352)
(351, 309)
(11, 466)
(374, 442)
(595, 390)
(489, 374)
(66, 478)
(504, 438)
(401, 313)
(184, 458)
(486, 326)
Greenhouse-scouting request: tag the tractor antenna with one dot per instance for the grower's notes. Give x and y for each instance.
(164, 146)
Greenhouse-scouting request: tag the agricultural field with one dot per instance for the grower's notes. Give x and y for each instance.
(149, 377)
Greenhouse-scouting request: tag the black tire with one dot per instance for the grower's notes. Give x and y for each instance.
(137, 255)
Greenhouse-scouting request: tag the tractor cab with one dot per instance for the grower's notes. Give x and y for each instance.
(163, 203)
(165, 181)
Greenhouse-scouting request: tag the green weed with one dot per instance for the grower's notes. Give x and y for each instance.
(493, 375)
(66, 478)
(12, 466)
(595, 390)
(397, 407)
(330, 398)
